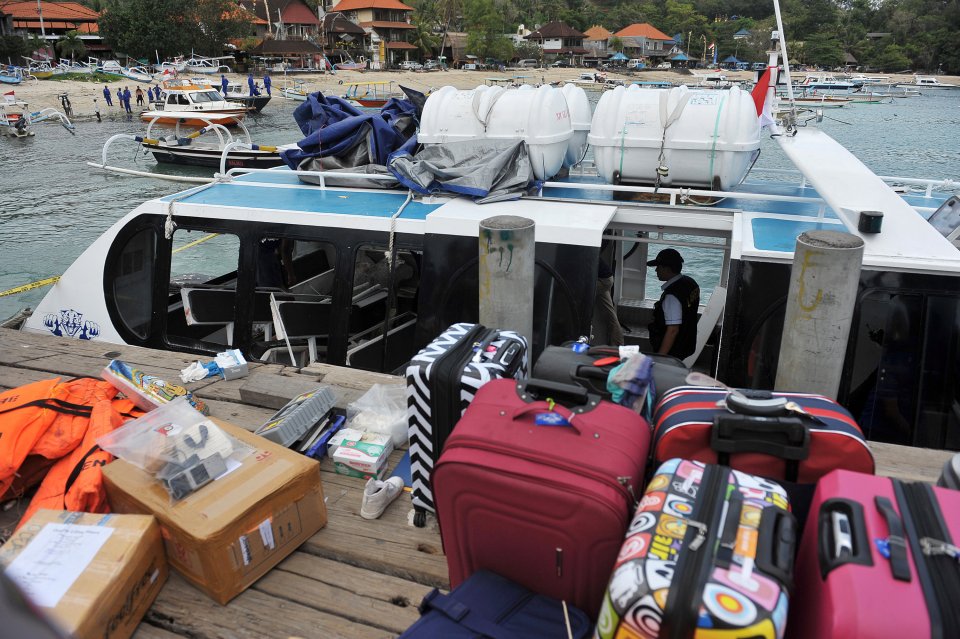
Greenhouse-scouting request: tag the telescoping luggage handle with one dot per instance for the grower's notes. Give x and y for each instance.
(786, 438)
(531, 390)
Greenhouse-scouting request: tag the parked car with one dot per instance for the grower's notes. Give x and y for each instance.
(663, 65)
(759, 66)
(431, 64)
(635, 64)
(410, 65)
(528, 63)
(560, 64)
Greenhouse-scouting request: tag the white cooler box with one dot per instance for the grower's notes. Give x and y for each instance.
(538, 116)
(712, 136)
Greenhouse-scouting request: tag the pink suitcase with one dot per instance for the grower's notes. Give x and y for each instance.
(544, 505)
(878, 559)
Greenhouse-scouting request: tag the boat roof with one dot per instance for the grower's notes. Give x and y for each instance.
(361, 84)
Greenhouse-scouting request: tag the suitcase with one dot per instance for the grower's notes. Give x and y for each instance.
(538, 492)
(878, 558)
(589, 366)
(487, 605)
(782, 444)
(442, 379)
(709, 554)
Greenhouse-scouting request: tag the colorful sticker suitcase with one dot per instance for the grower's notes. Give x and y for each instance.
(879, 558)
(540, 492)
(709, 554)
(800, 443)
(442, 380)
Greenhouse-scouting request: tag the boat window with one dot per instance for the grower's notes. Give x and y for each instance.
(905, 377)
(202, 289)
(294, 282)
(132, 274)
(182, 99)
(172, 99)
(378, 308)
(206, 96)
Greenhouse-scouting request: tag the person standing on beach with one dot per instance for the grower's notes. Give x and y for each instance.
(106, 95)
(223, 85)
(126, 99)
(266, 81)
(139, 97)
(120, 96)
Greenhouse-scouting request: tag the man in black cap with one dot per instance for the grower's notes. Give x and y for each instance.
(674, 327)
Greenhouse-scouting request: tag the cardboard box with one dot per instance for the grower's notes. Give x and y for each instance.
(228, 534)
(364, 457)
(93, 575)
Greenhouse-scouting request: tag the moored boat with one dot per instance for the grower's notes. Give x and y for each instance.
(370, 95)
(193, 105)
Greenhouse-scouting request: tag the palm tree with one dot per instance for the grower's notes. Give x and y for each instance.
(423, 37)
(70, 45)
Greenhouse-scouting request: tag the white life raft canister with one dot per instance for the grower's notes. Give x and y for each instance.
(538, 116)
(580, 114)
(710, 138)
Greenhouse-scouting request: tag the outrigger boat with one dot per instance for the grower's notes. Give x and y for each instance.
(193, 105)
(16, 119)
(370, 95)
(297, 92)
(207, 66)
(278, 251)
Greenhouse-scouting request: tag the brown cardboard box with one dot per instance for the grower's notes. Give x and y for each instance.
(91, 583)
(229, 533)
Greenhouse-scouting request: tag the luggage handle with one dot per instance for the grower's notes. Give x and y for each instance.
(777, 545)
(842, 535)
(581, 399)
(896, 542)
(786, 438)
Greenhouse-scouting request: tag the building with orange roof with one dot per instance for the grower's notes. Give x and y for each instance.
(51, 20)
(282, 19)
(387, 22)
(560, 41)
(596, 41)
(644, 41)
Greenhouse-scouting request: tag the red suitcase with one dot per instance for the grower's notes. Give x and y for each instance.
(546, 505)
(704, 424)
(877, 559)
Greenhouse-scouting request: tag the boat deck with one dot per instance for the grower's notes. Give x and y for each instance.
(355, 578)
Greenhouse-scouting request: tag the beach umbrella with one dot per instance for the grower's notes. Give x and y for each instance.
(618, 56)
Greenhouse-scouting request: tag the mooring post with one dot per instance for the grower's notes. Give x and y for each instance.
(823, 291)
(507, 255)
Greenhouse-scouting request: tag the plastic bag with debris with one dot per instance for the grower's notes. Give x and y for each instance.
(382, 409)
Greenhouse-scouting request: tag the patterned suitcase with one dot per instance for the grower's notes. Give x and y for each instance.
(442, 380)
(709, 554)
(704, 424)
(540, 491)
(879, 558)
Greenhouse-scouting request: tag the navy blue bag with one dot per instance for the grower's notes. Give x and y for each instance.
(488, 605)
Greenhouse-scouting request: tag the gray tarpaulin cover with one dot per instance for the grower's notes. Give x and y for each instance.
(486, 169)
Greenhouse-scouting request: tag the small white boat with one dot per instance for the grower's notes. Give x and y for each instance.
(296, 92)
(138, 74)
(207, 66)
(16, 119)
(193, 105)
(927, 82)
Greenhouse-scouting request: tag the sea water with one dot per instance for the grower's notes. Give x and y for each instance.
(53, 206)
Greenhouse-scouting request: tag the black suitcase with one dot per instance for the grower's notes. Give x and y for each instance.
(589, 366)
(442, 380)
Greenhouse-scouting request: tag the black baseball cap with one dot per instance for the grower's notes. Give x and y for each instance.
(668, 257)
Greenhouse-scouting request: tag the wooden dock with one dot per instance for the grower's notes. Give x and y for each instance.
(355, 578)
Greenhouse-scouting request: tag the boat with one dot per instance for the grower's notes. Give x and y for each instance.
(176, 65)
(193, 105)
(139, 74)
(10, 74)
(214, 145)
(370, 95)
(16, 119)
(711, 80)
(207, 66)
(240, 94)
(692, 184)
(70, 66)
(826, 83)
(927, 83)
(41, 69)
(869, 79)
(820, 101)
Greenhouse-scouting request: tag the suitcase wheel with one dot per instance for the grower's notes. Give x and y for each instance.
(419, 518)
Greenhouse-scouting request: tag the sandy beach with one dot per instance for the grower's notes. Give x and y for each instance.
(44, 93)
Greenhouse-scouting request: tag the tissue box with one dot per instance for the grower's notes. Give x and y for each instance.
(232, 364)
(93, 575)
(366, 457)
(341, 437)
(228, 534)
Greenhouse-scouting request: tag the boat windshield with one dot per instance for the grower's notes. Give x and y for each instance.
(206, 96)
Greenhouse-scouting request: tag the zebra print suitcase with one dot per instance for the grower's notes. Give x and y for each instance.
(442, 380)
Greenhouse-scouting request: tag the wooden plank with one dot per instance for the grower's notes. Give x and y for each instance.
(248, 417)
(146, 631)
(350, 377)
(908, 463)
(273, 390)
(183, 610)
(363, 596)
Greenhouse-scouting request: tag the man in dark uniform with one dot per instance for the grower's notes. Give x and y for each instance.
(674, 327)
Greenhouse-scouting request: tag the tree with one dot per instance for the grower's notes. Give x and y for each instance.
(12, 47)
(423, 37)
(71, 46)
(615, 43)
(892, 58)
(170, 27)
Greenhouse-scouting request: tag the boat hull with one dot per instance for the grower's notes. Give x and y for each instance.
(195, 156)
(198, 119)
(254, 102)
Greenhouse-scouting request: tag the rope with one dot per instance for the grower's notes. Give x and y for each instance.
(393, 228)
(29, 287)
(169, 226)
(716, 134)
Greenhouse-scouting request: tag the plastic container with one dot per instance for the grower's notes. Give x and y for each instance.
(580, 115)
(712, 136)
(538, 116)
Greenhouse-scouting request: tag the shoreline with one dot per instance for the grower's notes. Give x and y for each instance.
(44, 93)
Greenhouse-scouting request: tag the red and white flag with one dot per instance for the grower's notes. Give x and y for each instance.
(9, 96)
(759, 95)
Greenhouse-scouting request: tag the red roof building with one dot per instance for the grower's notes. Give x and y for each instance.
(387, 22)
(52, 20)
(283, 19)
(644, 40)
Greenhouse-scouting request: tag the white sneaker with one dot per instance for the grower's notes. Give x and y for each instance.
(377, 495)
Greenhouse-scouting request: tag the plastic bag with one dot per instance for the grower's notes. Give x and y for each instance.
(382, 409)
(178, 446)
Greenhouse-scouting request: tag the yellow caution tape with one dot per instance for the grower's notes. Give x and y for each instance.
(195, 242)
(30, 286)
(56, 278)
